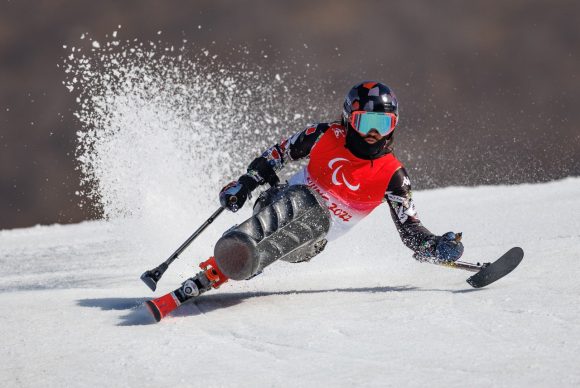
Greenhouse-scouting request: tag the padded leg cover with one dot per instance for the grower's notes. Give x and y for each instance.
(291, 228)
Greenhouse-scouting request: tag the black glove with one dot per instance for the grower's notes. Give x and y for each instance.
(233, 196)
(446, 248)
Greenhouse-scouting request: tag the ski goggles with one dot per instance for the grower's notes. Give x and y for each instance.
(364, 122)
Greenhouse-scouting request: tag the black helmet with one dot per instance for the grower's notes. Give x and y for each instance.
(369, 96)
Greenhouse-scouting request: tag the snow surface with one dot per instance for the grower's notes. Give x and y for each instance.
(363, 313)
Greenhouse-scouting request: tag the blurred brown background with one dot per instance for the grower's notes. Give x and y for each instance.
(489, 90)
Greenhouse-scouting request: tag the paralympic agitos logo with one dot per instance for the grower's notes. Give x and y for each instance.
(335, 179)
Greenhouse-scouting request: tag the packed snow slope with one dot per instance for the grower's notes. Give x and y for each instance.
(362, 313)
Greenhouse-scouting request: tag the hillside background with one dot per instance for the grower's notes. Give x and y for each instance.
(488, 89)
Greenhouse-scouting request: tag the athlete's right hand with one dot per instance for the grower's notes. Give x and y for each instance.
(233, 196)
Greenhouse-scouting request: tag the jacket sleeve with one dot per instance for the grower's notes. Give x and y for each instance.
(264, 168)
(400, 199)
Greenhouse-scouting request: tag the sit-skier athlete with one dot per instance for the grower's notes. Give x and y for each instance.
(351, 170)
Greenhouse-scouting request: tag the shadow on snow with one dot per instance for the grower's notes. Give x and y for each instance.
(139, 315)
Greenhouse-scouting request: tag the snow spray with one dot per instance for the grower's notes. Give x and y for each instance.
(162, 129)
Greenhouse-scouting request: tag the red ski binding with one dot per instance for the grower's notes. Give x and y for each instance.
(165, 304)
(213, 272)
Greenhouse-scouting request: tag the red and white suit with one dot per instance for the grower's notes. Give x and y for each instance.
(351, 187)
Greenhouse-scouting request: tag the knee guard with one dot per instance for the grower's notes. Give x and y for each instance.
(289, 224)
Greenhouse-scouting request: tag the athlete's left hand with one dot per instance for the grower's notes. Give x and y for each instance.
(446, 248)
(449, 247)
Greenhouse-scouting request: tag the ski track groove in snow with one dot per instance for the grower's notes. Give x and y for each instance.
(363, 313)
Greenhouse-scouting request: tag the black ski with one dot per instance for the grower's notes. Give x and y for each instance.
(491, 272)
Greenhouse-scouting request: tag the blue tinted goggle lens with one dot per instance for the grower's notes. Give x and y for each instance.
(364, 122)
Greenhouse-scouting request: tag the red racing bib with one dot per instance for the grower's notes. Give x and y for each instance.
(343, 180)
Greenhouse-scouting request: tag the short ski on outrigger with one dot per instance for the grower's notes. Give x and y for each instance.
(488, 273)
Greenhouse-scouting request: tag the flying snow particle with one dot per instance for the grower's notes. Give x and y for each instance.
(96, 44)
